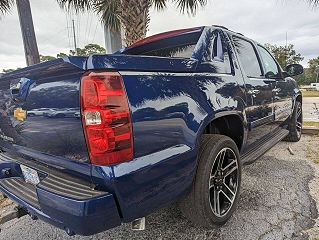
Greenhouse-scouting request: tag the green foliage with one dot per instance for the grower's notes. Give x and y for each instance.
(284, 55)
(86, 51)
(9, 70)
(46, 58)
(314, 67)
(311, 73)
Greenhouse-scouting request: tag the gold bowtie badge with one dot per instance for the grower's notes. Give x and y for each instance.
(20, 114)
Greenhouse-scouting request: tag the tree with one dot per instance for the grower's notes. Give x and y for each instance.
(86, 51)
(314, 69)
(284, 55)
(5, 6)
(46, 58)
(132, 15)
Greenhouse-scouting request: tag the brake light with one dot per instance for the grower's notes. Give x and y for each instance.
(106, 118)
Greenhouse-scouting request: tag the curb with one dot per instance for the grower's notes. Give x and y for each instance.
(310, 130)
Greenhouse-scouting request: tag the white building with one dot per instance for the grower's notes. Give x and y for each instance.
(315, 85)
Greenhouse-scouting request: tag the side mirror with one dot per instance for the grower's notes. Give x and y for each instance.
(294, 69)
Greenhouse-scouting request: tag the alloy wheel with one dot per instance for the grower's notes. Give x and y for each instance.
(223, 182)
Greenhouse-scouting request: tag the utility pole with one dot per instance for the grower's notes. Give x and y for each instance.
(286, 48)
(74, 38)
(28, 35)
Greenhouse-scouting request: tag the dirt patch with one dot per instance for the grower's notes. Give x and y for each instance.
(313, 149)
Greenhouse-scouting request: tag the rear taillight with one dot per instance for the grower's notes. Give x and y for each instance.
(106, 118)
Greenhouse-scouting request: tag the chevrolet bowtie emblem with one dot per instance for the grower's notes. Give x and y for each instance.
(20, 114)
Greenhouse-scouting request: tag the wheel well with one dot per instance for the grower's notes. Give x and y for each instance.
(299, 98)
(231, 126)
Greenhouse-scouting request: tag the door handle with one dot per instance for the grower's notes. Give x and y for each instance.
(253, 92)
(276, 90)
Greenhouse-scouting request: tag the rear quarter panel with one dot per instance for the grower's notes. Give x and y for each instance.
(169, 113)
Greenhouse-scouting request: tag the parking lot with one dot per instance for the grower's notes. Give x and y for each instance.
(278, 201)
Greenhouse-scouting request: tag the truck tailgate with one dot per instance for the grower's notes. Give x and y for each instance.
(40, 110)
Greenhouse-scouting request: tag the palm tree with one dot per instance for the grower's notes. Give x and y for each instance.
(132, 15)
(5, 6)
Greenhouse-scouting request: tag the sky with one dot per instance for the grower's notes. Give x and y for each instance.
(264, 21)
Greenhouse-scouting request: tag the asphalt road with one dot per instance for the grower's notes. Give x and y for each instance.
(276, 202)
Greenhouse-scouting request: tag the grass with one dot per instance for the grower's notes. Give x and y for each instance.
(310, 93)
(311, 124)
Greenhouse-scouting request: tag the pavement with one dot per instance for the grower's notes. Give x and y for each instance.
(309, 109)
(278, 200)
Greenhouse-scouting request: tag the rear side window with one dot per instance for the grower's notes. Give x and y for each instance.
(216, 53)
(183, 51)
(248, 57)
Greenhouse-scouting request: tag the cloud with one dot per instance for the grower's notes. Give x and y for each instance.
(263, 21)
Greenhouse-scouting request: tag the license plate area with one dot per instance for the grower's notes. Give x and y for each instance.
(30, 175)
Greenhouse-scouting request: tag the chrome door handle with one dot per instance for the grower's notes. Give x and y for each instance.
(253, 92)
(276, 90)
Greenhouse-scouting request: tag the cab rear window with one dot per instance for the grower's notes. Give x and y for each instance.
(181, 46)
(184, 51)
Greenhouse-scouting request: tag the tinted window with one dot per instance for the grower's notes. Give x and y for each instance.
(216, 57)
(220, 55)
(247, 57)
(184, 51)
(271, 67)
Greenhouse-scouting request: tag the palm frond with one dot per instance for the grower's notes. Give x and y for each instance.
(5, 6)
(110, 12)
(314, 3)
(77, 5)
(159, 4)
(189, 6)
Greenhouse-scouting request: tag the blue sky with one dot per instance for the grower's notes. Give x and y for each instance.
(264, 21)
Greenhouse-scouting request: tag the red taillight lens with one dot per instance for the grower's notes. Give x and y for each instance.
(106, 118)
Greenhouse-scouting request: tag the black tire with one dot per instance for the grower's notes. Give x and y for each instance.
(295, 124)
(197, 205)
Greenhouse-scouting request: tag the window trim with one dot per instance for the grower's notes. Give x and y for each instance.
(257, 55)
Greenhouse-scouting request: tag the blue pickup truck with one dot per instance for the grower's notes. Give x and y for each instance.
(171, 118)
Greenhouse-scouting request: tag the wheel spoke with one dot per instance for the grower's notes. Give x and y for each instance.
(216, 202)
(211, 182)
(220, 159)
(230, 165)
(299, 113)
(229, 194)
(230, 171)
(299, 125)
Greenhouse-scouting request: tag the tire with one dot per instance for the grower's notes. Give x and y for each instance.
(198, 206)
(295, 124)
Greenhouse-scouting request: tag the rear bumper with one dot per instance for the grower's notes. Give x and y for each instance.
(77, 209)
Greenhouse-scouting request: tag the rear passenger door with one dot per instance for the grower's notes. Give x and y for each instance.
(259, 94)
